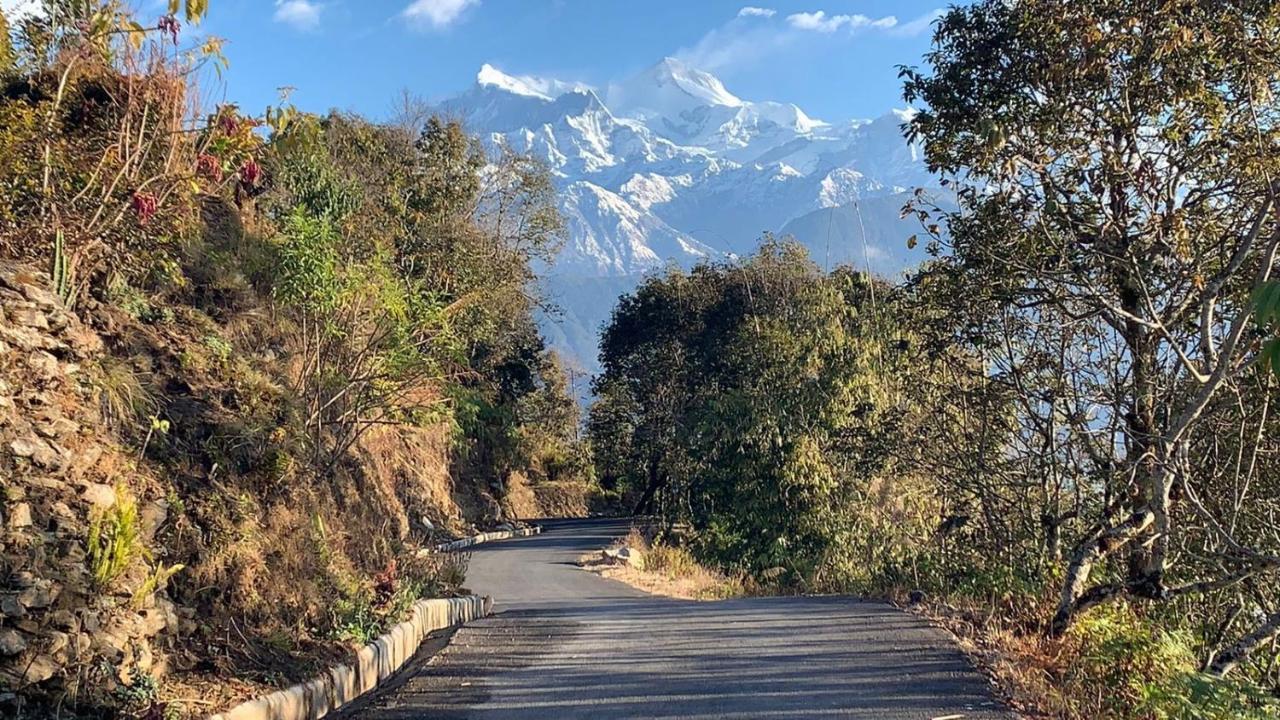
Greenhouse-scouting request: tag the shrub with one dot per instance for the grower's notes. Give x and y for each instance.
(1127, 667)
(673, 561)
(154, 583)
(219, 348)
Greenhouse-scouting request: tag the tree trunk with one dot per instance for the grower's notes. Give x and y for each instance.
(1149, 490)
(1074, 598)
(654, 483)
(1228, 659)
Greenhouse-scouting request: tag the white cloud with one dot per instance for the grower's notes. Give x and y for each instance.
(437, 13)
(821, 22)
(301, 14)
(753, 36)
(736, 44)
(920, 24)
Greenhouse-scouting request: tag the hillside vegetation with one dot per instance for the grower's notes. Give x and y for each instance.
(1059, 432)
(249, 365)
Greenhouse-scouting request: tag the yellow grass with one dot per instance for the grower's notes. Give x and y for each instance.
(668, 570)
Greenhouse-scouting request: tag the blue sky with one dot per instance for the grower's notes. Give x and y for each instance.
(834, 59)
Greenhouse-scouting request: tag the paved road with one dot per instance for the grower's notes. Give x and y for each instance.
(565, 643)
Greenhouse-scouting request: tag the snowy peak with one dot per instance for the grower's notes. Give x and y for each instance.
(670, 166)
(527, 85)
(693, 82)
(670, 89)
(490, 76)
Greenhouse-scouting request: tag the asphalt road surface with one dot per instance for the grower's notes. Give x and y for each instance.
(566, 643)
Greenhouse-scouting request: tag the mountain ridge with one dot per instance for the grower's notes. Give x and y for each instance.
(670, 166)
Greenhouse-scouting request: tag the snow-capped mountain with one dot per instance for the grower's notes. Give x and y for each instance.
(669, 166)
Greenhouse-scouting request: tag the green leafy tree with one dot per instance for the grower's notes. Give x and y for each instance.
(1115, 167)
(434, 239)
(747, 399)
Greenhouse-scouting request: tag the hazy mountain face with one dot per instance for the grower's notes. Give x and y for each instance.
(669, 166)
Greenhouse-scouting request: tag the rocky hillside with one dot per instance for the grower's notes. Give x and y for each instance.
(62, 474)
(249, 367)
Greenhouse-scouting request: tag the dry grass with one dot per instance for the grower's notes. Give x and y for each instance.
(519, 502)
(123, 395)
(283, 561)
(1023, 663)
(410, 468)
(1069, 678)
(667, 570)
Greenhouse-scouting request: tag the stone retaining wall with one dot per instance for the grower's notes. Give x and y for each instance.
(372, 665)
(488, 537)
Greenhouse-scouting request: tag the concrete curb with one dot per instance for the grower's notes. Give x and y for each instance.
(372, 665)
(489, 537)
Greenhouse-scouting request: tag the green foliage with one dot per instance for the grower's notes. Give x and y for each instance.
(155, 582)
(140, 694)
(1116, 229)
(316, 277)
(8, 59)
(752, 401)
(63, 283)
(114, 541)
(136, 302)
(1148, 672)
(1266, 304)
(307, 274)
(219, 348)
(354, 619)
(363, 609)
(414, 263)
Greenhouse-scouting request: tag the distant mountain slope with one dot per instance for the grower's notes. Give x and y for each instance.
(669, 166)
(836, 236)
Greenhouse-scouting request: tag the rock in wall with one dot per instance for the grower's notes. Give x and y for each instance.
(59, 632)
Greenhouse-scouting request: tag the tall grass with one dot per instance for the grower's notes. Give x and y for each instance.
(122, 396)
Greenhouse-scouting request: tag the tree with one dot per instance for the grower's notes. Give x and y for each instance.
(754, 401)
(645, 386)
(1115, 164)
(423, 244)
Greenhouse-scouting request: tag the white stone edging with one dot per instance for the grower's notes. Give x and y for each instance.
(488, 537)
(372, 665)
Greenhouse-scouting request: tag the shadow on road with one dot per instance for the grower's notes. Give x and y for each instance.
(569, 644)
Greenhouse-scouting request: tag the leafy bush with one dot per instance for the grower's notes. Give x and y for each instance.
(97, 147)
(1127, 668)
(219, 348)
(307, 275)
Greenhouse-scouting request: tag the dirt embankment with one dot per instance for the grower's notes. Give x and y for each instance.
(160, 544)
